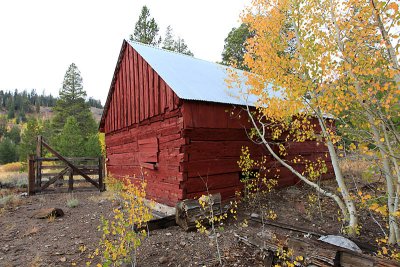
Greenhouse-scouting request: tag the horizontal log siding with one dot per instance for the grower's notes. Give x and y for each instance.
(215, 134)
(123, 157)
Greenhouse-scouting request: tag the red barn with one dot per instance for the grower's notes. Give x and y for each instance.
(171, 115)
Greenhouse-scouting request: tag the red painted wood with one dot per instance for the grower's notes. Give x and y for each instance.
(141, 89)
(151, 92)
(146, 90)
(137, 95)
(127, 88)
(156, 87)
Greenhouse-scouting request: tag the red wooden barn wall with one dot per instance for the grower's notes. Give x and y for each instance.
(142, 125)
(192, 142)
(214, 138)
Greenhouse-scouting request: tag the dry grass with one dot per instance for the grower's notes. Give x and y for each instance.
(106, 195)
(354, 167)
(32, 231)
(36, 262)
(9, 201)
(13, 179)
(11, 167)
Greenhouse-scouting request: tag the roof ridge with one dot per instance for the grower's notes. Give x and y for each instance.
(177, 53)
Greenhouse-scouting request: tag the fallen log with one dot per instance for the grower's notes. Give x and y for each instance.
(314, 252)
(189, 211)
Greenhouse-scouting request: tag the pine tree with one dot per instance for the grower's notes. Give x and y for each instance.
(11, 109)
(72, 103)
(8, 151)
(169, 42)
(70, 142)
(181, 47)
(178, 45)
(146, 29)
(92, 146)
(28, 139)
(235, 47)
(14, 134)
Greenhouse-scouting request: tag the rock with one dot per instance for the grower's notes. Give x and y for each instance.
(255, 215)
(63, 259)
(182, 243)
(163, 260)
(168, 234)
(340, 241)
(48, 212)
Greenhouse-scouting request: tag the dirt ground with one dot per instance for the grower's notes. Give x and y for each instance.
(67, 240)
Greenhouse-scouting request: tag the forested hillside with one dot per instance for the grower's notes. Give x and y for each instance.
(68, 122)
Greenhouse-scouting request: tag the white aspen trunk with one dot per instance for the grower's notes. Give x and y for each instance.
(351, 207)
(335, 197)
(385, 36)
(393, 227)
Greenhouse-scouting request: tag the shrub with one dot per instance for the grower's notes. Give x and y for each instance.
(72, 202)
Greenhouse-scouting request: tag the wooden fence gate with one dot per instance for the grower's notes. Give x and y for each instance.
(42, 171)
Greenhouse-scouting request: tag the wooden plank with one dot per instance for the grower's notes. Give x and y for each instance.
(127, 87)
(141, 89)
(31, 175)
(137, 85)
(305, 147)
(156, 94)
(55, 178)
(151, 91)
(75, 169)
(131, 85)
(163, 96)
(210, 167)
(211, 182)
(215, 134)
(146, 100)
(170, 97)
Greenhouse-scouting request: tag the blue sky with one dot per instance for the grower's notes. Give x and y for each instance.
(39, 39)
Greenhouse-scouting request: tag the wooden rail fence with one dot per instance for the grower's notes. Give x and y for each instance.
(45, 171)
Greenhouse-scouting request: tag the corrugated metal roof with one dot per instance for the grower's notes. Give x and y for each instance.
(193, 79)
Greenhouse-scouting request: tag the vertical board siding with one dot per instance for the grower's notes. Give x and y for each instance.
(139, 94)
(139, 110)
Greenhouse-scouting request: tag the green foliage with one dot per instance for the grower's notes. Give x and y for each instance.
(3, 125)
(8, 151)
(70, 139)
(235, 47)
(146, 29)
(28, 139)
(14, 134)
(11, 110)
(72, 202)
(72, 103)
(93, 146)
(177, 45)
(70, 142)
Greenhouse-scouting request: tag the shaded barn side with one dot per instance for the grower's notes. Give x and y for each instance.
(142, 126)
(215, 134)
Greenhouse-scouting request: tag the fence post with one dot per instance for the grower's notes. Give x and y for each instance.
(31, 175)
(39, 154)
(71, 180)
(101, 174)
